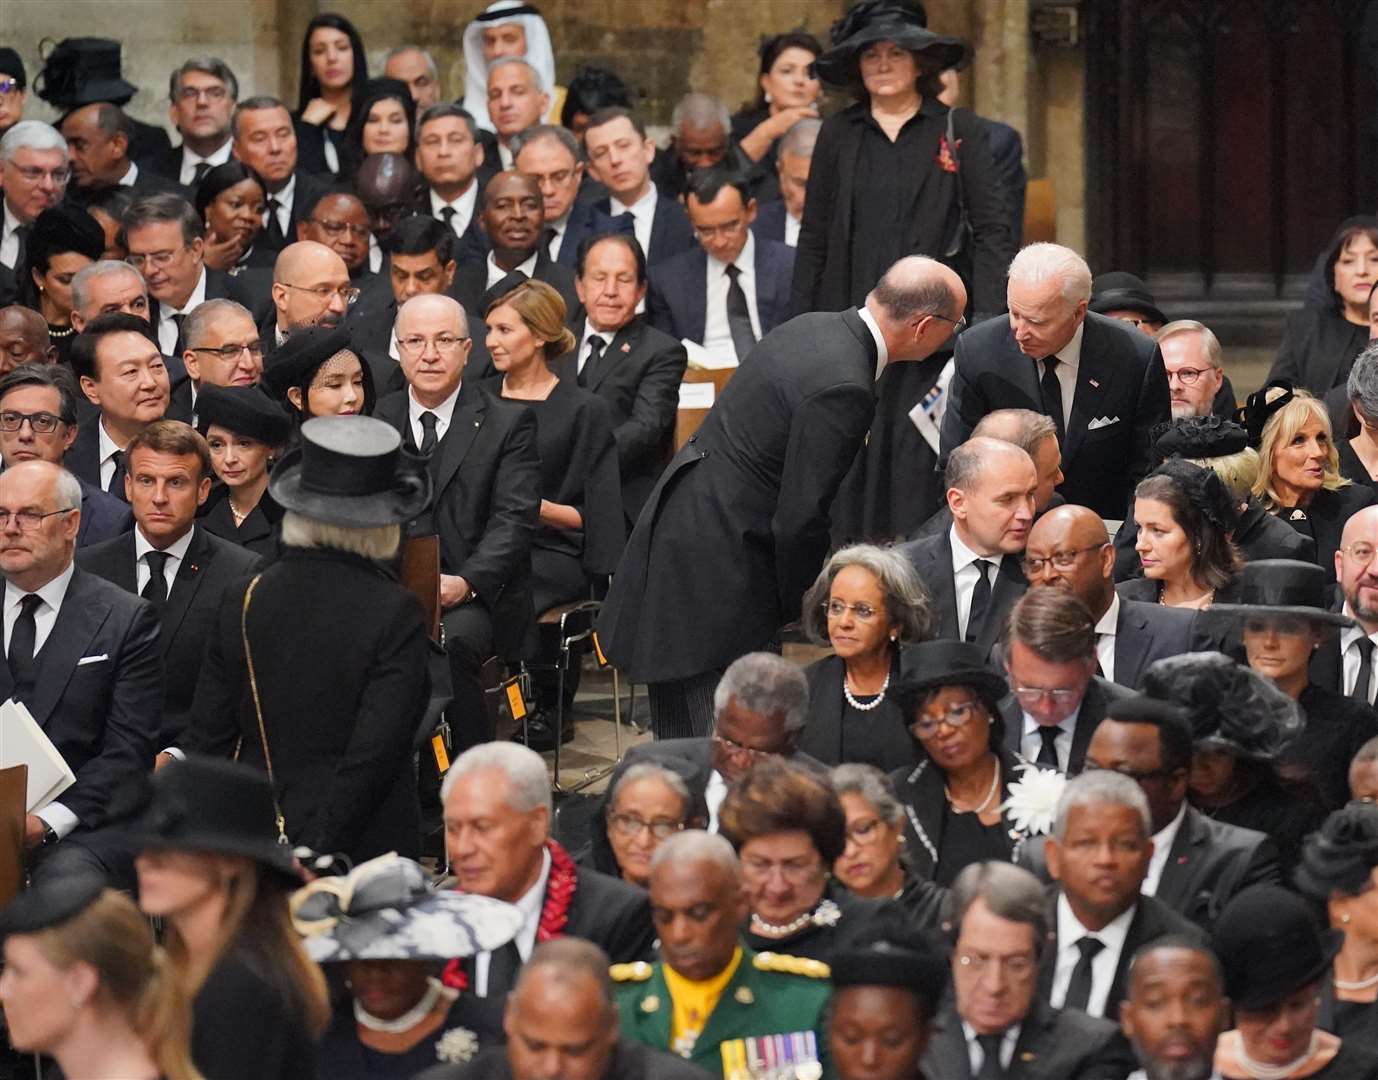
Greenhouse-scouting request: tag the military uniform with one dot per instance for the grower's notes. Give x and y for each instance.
(768, 1020)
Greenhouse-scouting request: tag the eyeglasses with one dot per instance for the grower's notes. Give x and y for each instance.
(417, 345)
(1018, 966)
(41, 422)
(1061, 560)
(736, 749)
(795, 871)
(866, 831)
(29, 520)
(210, 93)
(1187, 376)
(323, 293)
(630, 825)
(33, 174)
(230, 352)
(336, 229)
(835, 609)
(728, 228)
(1032, 695)
(1137, 775)
(954, 716)
(1361, 552)
(8, 87)
(153, 258)
(958, 324)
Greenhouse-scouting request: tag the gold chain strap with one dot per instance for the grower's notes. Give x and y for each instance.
(258, 710)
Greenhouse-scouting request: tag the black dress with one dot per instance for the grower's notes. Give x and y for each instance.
(836, 733)
(260, 530)
(244, 1025)
(1318, 350)
(1287, 817)
(831, 926)
(1353, 1021)
(1336, 727)
(1351, 468)
(467, 1029)
(1323, 518)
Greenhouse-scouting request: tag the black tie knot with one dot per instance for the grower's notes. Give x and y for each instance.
(447, 214)
(733, 271)
(991, 1066)
(428, 434)
(28, 604)
(199, 171)
(156, 588)
(1047, 752)
(1090, 947)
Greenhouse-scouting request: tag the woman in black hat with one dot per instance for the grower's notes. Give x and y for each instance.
(382, 124)
(230, 199)
(897, 173)
(318, 373)
(1275, 959)
(1340, 870)
(84, 983)
(62, 241)
(950, 701)
(246, 430)
(334, 70)
(212, 869)
(1124, 296)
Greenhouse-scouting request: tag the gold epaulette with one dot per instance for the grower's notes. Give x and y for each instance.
(639, 971)
(790, 965)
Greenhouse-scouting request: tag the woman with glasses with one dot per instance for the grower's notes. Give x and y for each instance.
(950, 701)
(62, 240)
(230, 200)
(318, 373)
(645, 804)
(867, 603)
(246, 430)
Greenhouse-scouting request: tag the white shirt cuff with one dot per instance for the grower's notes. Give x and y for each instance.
(58, 818)
(178, 754)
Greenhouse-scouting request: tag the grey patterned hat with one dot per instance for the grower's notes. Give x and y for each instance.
(387, 909)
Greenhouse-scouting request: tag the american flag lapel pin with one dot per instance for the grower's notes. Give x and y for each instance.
(1094, 383)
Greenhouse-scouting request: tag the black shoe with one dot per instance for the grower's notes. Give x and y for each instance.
(540, 735)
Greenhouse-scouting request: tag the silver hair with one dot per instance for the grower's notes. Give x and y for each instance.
(907, 603)
(970, 461)
(536, 80)
(872, 785)
(31, 135)
(1101, 787)
(402, 50)
(68, 490)
(81, 281)
(1210, 344)
(697, 844)
(1023, 427)
(562, 135)
(1042, 262)
(765, 684)
(199, 321)
(1362, 384)
(650, 770)
(1009, 892)
(528, 782)
(1367, 752)
(206, 65)
(800, 139)
(700, 112)
(379, 542)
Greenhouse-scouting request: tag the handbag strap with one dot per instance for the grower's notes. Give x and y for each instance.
(258, 709)
(961, 176)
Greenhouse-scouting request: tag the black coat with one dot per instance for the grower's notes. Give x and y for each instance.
(252, 288)
(1145, 633)
(340, 652)
(770, 221)
(258, 533)
(819, 941)
(631, 1061)
(671, 232)
(698, 752)
(677, 301)
(741, 513)
(1259, 535)
(1120, 379)
(932, 558)
(1336, 727)
(1094, 703)
(582, 224)
(1209, 863)
(471, 282)
(886, 744)
(211, 567)
(102, 515)
(487, 477)
(1318, 350)
(1323, 519)
(237, 999)
(638, 375)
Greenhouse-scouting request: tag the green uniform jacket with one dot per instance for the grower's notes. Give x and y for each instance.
(763, 998)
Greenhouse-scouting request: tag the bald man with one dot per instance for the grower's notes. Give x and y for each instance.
(1069, 548)
(311, 287)
(24, 339)
(1338, 664)
(386, 184)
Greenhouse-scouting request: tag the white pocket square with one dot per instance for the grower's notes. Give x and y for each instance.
(1102, 421)
(93, 659)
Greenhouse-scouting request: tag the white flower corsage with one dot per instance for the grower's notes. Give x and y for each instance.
(456, 1046)
(1032, 805)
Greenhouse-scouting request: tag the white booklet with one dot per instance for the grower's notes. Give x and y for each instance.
(22, 742)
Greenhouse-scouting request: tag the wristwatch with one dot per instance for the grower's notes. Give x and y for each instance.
(50, 836)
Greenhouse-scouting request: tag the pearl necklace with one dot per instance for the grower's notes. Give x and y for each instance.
(1200, 603)
(1361, 984)
(408, 1019)
(236, 514)
(1259, 1071)
(765, 929)
(858, 706)
(994, 786)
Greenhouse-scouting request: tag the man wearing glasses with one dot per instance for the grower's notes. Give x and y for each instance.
(1347, 663)
(1196, 379)
(339, 220)
(222, 349)
(202, 93)
(33, 156)
(311, 287)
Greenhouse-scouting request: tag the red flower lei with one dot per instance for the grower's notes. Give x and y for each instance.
(559, 892)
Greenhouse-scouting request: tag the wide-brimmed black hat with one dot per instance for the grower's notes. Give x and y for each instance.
(80, 71)
(1199, 437)
(351, 470)
(1341, 854)
(1270, 946)
(222, 807)
(12, 64)
(886, 950)
(1121, 291)
(51, 903)
(883, 20)
(61, 229)
(303, 352)
(933, 664)
(245, 410)
(1284, 587)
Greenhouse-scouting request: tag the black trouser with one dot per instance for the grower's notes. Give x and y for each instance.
(556, 578)
(468, 643)
(683, 709)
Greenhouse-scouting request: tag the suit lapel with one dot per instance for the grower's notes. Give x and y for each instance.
(1133, 638)
(613, 354)
(1009, 583)
(464, 424)
(765, 286)
(184, 586)
(696, 294)
(944, 589)
(77, 622)
(1090, 714)
(947, 1056)
(1180, 866)
(126, 574)
(1035, 1035)
(1094, 373)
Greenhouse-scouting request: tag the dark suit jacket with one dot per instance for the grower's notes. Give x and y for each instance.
(1120, 378)
(671, 232)
(698, 752)
(638, 375)
(770, 221)
(743, 509)
(582, 224)
(102, 516)
(148, 182)
(677, 300)
(1053, 1044)
(210, 567)
(98, 695)
(1209, 863)
(252, 288)
(888, 744)
(630, 1061)
(1148, 632)
(613, 915)
(1007, 163)
(932, 558)
(486, 473)
(1099, 694)
(471, 282)
(166, 162)
(309, 188)
(1325, 518)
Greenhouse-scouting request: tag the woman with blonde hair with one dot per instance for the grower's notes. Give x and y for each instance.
(84, 984)
(581, 528)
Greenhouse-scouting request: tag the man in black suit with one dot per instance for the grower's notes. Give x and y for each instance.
(732, 290)
(1176, 1009)
(517, 99)
(1000, 918)
(82, 656)
(221, 348)
(203, 92)
(98, 141)
(701, 138)
(1198, 864)
(627, 362)
(779, 219)
(620, 155)
(497, 837)
(45, 395)
(266, 142)
(1069, 547)
(34, 177)
(1099, 854)
(484, 465)
(551, 156)
(972, 569)
(1006, 148)
(1345, 662)
(311, 287)
(1101, 382)
(451, 161)
(169, 560)
(742, 510)
(339, 220)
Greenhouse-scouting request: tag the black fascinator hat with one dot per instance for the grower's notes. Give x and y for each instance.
(1341, 854)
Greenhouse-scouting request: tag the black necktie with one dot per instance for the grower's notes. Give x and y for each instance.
(596, 346)
(980, 601)
(428, 436)
(738, 315)
(199, 171)
(116, 485)
(1364, 682)
(156, 588)
(1052, 398)
(22, 638)
(990, 1045)
(274, 226)
(547, 235)
(1047, 753)
(1079, 989)
(503, 965)
(179, 320)
(447, 215)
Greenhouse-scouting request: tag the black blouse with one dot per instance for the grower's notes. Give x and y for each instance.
(883, 205)
(468, 1028)
(259, 532)
(1351, 468)
(242, 1026)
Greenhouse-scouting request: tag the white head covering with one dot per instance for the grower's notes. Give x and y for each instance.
(539, 54)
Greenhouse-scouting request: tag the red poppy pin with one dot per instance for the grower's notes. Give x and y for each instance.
(947, 154)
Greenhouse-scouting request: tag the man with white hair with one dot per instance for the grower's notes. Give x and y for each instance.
(1100, 381)
(517, 99)
(1195, 373)
(780, 218)
(497, 838)
(414, 66)
(33, 157)
(700, 138)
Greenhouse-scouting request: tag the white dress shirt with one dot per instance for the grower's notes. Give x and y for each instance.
(375, 254)
(1349, 654)
(530, 906)
(1163, 840)
(1105, 637)
(55, 815)
(643, 213)
(592, 331)
(130, 176)
(107, 455)
(1066, 371)
(792, 224)
(176, 552)
(496, 273)
(977, 1056)
(462, 206)
(1103, 964)
(1032, 742)
(167, 328)
(717, 335)
(558, 229)
(882, 350)
(965, 573)
(191, 159)
(443, 413)
(9, 237)
(504, 155)
(285, 198)
(713, 794)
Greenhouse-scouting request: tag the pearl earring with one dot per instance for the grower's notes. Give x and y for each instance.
(1344, 919)
(767, 98)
